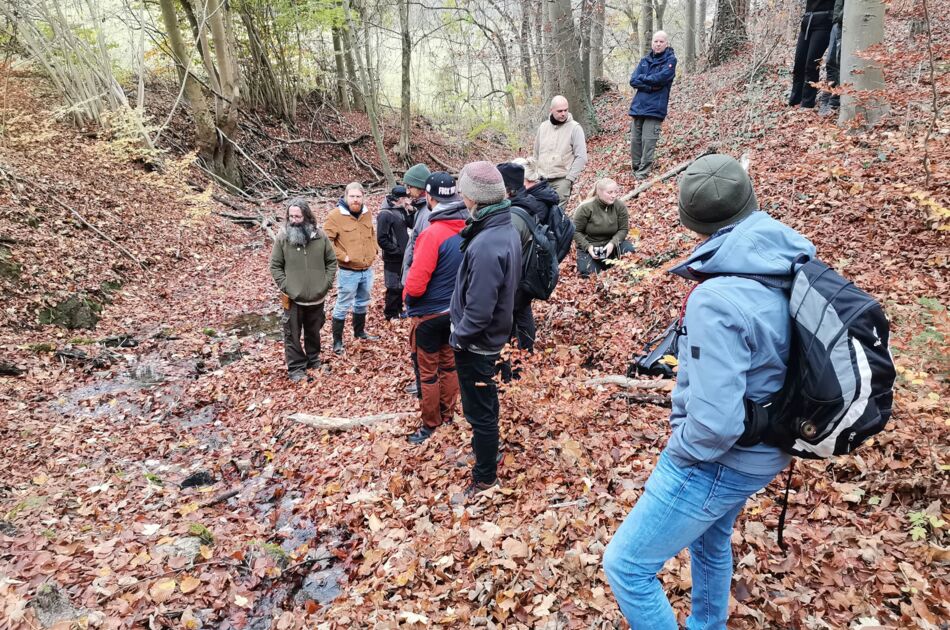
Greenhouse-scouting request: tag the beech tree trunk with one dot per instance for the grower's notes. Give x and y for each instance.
(342, 89)
(597, 39)
(701, 29)
(646, 26)
(587, 9)
(206, 137)
(863, 24)
(403, 148)
(524, 46)
(568, 79)
(362, 64)
(660, 9)
(689, 56)
(729, 31)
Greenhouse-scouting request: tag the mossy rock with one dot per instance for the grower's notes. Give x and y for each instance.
(9, 270)
(76, 312)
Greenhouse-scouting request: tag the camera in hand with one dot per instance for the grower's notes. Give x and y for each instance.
(600, 253)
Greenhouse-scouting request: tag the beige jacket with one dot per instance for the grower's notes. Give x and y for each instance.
(560, 151)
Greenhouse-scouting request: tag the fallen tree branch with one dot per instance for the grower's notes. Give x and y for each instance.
(448, 167)
(349, 142)
(342, 424)
(221, 498)
(660, 400)
(676, 170)
(629, 383)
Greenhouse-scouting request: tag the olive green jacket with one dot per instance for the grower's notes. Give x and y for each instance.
(597, 224)
(305, 274)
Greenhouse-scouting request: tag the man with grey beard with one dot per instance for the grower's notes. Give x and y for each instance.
(303, 265)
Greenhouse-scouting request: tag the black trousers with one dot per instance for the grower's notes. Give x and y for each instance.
(476, 374)
(307, 321)
(833, 68)
(392, 278)
(587, 265)
(524, 328)
(813, 35)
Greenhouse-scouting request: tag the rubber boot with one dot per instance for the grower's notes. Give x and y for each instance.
(359, 323)
(338, 325)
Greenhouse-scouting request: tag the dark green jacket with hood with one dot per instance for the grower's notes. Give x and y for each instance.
(305, 273)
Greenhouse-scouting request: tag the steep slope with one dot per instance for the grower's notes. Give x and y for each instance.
(96, 453)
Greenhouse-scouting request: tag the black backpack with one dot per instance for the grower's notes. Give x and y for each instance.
(539, 263)
(560, 231)
(838, 390)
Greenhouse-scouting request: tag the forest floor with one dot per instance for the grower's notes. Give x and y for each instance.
(296, 527)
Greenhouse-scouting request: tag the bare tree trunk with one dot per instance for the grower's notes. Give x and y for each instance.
(349, 53)
(597, 39)
(690, 52)
(206, 138)
(587, 9)
(524, 46)
(569, 73)
(660, 9)
(546, 54)
(342, 92)
(646, 26)
(403, 148)
(701, 29)
(863, 24)
(729, 30)
(362, 63)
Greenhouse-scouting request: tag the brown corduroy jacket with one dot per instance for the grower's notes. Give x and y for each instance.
(353, 237)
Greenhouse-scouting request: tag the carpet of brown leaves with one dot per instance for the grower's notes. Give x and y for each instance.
(94, 454)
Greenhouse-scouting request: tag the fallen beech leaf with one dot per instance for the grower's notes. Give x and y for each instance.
(162, 590)
(188, 584)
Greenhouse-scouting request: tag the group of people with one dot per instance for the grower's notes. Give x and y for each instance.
(453, 253)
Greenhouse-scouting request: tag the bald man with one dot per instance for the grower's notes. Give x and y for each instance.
(560, 149)
(652, 79)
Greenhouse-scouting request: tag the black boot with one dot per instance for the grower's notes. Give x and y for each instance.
(359, 323)
(338, 325)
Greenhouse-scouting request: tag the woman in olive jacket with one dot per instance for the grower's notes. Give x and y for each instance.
(601, 225)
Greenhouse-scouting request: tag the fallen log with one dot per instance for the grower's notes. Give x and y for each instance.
(676, 170)
(334, 423)
(660, 400)
(629, 383)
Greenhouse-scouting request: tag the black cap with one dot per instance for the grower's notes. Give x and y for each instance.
(513, 174)
(398, 192)
(442, 186)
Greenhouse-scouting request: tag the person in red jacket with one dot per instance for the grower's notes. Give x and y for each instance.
(428, 294)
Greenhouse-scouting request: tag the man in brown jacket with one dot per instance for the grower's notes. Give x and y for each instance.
(560, 149)
(350, 229)
(303, 266)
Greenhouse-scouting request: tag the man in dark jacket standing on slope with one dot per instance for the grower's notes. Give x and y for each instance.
(481, 309)
(652, 80)
(392, 234)
(513, 175)
(734, 347)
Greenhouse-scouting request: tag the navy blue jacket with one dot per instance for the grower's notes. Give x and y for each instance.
(652, 79)
(484, 299)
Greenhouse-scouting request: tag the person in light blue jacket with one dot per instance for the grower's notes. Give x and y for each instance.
(736, 345)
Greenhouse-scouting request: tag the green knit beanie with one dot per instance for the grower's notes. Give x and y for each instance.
(715, 191)
(416, 176)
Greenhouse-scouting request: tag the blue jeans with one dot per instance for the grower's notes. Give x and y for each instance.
(693, 507)
(352, 292)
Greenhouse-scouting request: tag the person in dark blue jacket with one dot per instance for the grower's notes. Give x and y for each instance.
(482, 309)
(735, 347)
(392, 234)
(652, 80)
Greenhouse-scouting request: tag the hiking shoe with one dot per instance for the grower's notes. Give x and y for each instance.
(477, 487)
(421, 435)
(298, 376)
(412, 389)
